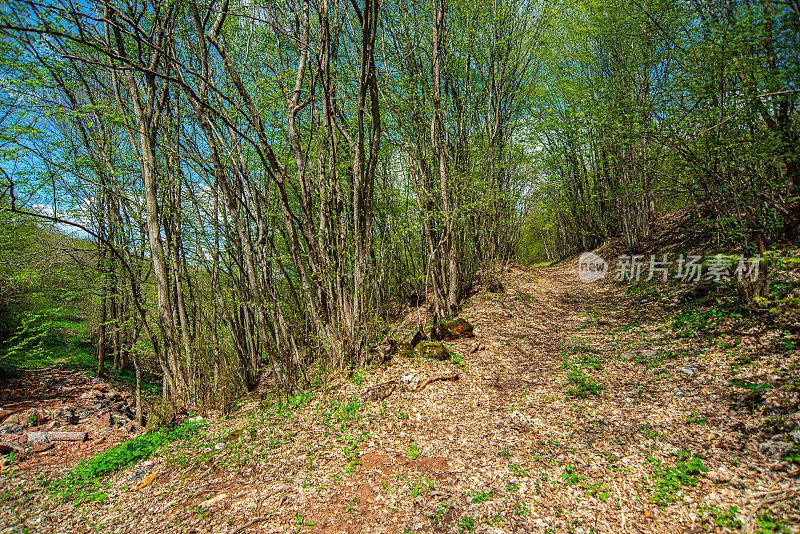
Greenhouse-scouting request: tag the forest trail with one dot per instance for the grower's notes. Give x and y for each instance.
(582, 412)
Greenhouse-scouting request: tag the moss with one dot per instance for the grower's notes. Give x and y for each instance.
(433, 350)
(459, 328)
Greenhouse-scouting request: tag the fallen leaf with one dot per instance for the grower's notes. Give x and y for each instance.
(214, 500)
(145, 482)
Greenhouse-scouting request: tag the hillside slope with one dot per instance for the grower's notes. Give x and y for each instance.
(586, 408)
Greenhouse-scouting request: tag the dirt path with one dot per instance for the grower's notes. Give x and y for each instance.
(582, 413)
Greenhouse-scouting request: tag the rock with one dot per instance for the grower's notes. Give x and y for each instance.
(105, 420)
(144, 483)
(385, 350)
(6, 447)
(647, 353)
(658, 371)
(460, 327)
(66, 436)
(13, 419)
(11, 429)
(4, 414)
(775, 448)
(42, 416)
(214, 500)
(82, 414)
(457, 328)
(520, 421)
(67, 415)
(410, 382)
(418, 336)
(379, 392)
(718, 477)
(219, 446)
(433, 349)
(41, 448)
(37, 438)
(688, 371)
(628, 356)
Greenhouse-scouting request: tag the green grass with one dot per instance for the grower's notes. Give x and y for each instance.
(83, 481)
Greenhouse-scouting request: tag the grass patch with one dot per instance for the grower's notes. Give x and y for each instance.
(83, 482)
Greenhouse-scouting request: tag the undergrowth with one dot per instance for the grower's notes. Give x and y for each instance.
(668, 480)
(83, 482)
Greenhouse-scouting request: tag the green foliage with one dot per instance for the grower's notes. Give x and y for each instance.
(467, 524)
(482, 497)
(769, 525)
(707, 322)
(725, 518)
(750, 385)
(582, 385)
(667, 481)
(82, 481)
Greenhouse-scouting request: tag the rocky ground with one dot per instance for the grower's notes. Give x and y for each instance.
(578, 408)
(66, 414)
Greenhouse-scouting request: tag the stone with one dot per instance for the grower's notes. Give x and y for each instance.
(42, 416)
(4, 414)
(67, 436)
(37, 438)
(410, 382)
(67, 415)
(41, 448)
(776, 448)
(82, 413)
(461, 328)
(214, 500)
(688, 371)
(433, 349)
(457, 328)
(13, 419)
(105, 420)
(219, 446)
(419, 335)
(628, 356)
(379, 392)
(520, 421)
(720, 476)
(6, 447)
(384, 350)
(11, 429)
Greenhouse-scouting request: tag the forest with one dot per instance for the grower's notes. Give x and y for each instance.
(208, 199)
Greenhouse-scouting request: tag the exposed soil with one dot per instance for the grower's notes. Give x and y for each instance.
(505, 448)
